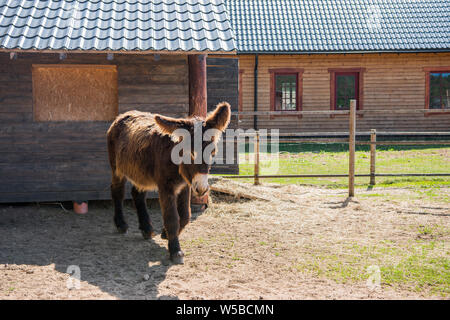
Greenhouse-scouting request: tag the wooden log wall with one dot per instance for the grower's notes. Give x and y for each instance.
(58, 161)
(390, 81)
(222, 75)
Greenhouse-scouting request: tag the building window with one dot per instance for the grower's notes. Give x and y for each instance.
(74, 92)
(439, 90)
(285, 92)
(346, 90)
(286, 89)
(346, 85)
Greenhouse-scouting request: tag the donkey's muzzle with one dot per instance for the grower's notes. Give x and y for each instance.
(200, 184)
(200, 192)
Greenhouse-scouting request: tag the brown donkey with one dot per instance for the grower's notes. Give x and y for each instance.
(140, 148)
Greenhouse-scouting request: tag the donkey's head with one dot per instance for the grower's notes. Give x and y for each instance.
(196, 141)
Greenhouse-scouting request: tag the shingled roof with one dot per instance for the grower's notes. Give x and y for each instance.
(116, 25)
(310, 26)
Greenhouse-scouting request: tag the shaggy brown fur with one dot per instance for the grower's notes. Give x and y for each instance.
(139, 147)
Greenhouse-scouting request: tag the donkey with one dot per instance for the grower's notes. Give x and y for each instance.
(140, 146)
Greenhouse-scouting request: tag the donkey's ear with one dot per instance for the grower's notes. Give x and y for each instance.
(168, 125)
(219, 118)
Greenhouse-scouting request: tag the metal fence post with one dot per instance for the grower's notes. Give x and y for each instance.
(351, 149)
(373, 148)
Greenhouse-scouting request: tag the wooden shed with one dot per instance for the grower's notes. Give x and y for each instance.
(67, 69)
(317, 55)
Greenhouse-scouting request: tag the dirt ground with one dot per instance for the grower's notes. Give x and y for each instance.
(236, 249)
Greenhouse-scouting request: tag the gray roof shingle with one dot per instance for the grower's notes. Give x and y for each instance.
(340, 25)
(116, 25)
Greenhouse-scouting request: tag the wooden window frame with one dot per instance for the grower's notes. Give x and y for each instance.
(298, 72)
(429, 70)
(360, 100)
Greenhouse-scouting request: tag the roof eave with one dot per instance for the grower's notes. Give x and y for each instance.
(182, 52)
(344, 52)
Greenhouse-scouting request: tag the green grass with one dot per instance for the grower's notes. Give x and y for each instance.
(421, 264)
(333, 159)
(417, 265)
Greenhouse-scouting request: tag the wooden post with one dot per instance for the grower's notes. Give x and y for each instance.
(197, 85)
(373, 147)
(351, 149)
(256, 159)
(198, 106)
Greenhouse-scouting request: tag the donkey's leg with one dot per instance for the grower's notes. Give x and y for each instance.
(184, 209)
(145, 225)
(118, 193)
(171, 220)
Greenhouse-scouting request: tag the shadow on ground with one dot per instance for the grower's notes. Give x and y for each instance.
(116, 264)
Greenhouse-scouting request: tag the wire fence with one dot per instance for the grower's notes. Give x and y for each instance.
(348, 138)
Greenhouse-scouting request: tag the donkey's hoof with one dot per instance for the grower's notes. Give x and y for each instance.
(164, 234)
(147, 234)
(122, 229)
(177, 258)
